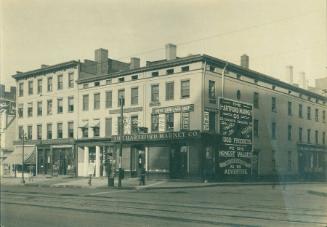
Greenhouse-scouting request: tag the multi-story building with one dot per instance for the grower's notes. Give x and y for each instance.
(7, 125)
(171, 117)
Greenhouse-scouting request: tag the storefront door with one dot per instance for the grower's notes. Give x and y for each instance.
(179, 161)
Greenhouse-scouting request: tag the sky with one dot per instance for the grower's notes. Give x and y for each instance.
(274, 33)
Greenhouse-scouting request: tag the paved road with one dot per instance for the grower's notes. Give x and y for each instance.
(296, 205)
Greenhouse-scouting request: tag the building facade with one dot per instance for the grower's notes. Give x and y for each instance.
(171, 118)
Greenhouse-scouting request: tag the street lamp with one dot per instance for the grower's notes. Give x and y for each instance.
(120, 171)
(23, 140)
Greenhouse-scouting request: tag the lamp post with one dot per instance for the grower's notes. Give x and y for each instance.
(121, 126)
(23, 140)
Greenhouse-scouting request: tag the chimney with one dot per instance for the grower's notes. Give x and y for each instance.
(245, 61)
(135, 63)
(289, 74)
(101, 58)
(302, 80)
(170, 51)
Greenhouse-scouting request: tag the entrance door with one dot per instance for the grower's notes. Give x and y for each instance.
(62, 163)
(179, 161)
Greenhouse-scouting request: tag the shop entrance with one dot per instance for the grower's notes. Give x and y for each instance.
(63, 161)
(179, 161)
(137, 159)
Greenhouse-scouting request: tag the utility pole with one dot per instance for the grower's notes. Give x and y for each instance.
(121, 127)
(23, 140)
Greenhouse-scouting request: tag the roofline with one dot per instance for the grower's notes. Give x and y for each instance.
(51, 68)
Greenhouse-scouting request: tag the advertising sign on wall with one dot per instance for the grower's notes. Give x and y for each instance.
(235, 152)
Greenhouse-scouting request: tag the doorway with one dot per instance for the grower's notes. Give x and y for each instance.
(179, 161)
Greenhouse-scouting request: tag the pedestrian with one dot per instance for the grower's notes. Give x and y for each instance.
(142, 176)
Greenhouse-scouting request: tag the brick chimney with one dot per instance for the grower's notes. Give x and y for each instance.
(245, 61)
(170, 51)
(101, 58)
(135, 63)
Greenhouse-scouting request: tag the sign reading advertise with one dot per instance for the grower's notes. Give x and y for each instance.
(235, 153)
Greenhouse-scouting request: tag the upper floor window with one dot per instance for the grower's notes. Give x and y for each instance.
(121, 79)
(289, 107)
(324, 116)
(29, 132)
(49, 83)
(316, 114)
(60, 107)
(96, 83)
(71, 104)
(71, 80)
(155, 93)
(39, 108)
(135, 77)
(30, 109)
(39, 86)
(39, 132)
(96, 101)
(71, 129)
(134, 124)
(21, 110)
(273, 104)
(273, 130)
(108, 99)
(185, 121)
(20, 132)
(156, 73)
(30, 87)
(289, 134)
(185, 68)
(49, 107)
(256, 100)
(96, 128)
(59, 130)
(170, 90)
(134, 96)
(60, 82)
(109, 81)
(316, 136)
(21, 89)
(324, 138)
(300, 111)
(154, 122)
(170, 71)
(85, 102)
(256, 128)
(185, 88)
(309, 113)
(309, 135)
(170, 122)
(121, 96)
(49, 131)
(300, 134)
(212, 91)
(86, 85)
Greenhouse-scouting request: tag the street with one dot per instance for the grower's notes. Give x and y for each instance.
(248, 205)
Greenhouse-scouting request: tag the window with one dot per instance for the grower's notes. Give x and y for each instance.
(59, 106)
(30, 87)
(309, 135)
(121, 79)
(21, 89)
(185, 121)
(273, 130)
(108, 99)
(85, 102)
(185, 68)
(39, 108)
(238, 94)
(170, 91)
(39, 86)
(96, 83)
(29, 132)
(70, 129)
(323, 116)
(49, 107)
(169, 71)
(49, 131)
(316, 136)
(170, 122)
(86, 85)
(156, 73)
(60, 82)
(108, 126)
(324, 138)
(211, 68)
(39, 132)
(30, 109)
(155, 93)
(96, 101)
(134, 96)
(273, 104)
(309, 113)
(134, 124)
(256, 127)
(71, 104)
(109, 81)
(96, 128)
(212, 121)
(135, 77)
(185, 89)
(289, 162)
(300, 135)
(300, 111)
(256, 100)
(49, 83)
(20, 132)
(71, 80)
(212, 91)
(85, 132)
(289, 132)
(316, 114)
(273, 160)
(59, 130)
(154, 122)
(20, 110)
(121, 94)
(289, 108)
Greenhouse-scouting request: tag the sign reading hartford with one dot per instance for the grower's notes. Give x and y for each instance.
(235, 153)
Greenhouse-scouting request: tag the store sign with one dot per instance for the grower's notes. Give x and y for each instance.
(127, 110)
(206, 121)
(162, 122)
(173, 109)
(158, 136)
(235, 153)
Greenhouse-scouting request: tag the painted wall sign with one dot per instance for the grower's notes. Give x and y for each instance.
(173, 109)
(127, 110)
(162, 122)
(158, 136)
(206, 121)
(235, 153)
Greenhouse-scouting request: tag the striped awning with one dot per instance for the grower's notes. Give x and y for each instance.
(16, 156)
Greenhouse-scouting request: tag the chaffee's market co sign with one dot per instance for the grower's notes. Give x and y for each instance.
(236, 128)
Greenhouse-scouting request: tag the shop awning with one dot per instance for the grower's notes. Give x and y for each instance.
(16, 156)
(95, 124)
(84, 124)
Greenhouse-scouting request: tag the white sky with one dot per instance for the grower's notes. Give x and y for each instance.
(274, 33)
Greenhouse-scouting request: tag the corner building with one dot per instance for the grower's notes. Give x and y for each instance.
(171, 118)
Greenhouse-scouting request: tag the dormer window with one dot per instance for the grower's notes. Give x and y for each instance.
(96, 83)
(121, 79)
(135, 77)
(170, 71)
(156, 73)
